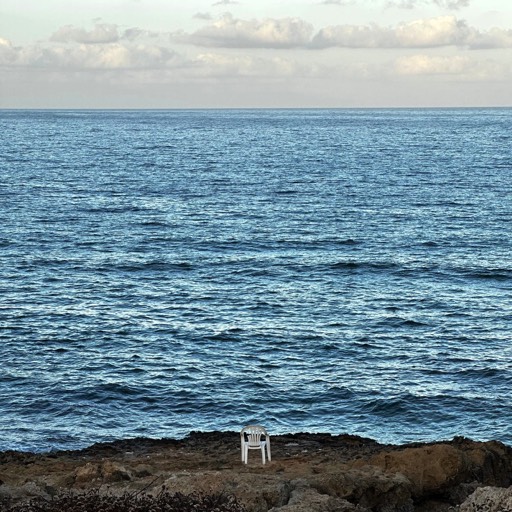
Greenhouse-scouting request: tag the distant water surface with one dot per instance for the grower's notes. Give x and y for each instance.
(311, 270)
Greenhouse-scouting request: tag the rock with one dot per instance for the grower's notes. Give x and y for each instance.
(306, 499)
(87, 474)
(459, 493)
(428, 468)
(308, 472)
(29, 489)
(114, 472)
(489, 499)
(107, 472)
(258, 492)
(439, 468)
(368, 487)
(142, 471)
(491, 462)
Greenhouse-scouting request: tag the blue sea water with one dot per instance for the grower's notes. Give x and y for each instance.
(311, 270)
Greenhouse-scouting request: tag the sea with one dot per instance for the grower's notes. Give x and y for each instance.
(338, 271)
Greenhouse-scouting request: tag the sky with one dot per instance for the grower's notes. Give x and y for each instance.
(255, 53)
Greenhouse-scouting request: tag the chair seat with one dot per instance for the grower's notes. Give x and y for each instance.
(250, 439)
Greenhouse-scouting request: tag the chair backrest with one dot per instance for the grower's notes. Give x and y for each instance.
(253, 433)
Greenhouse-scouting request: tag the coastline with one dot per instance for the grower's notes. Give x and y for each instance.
(308, 472)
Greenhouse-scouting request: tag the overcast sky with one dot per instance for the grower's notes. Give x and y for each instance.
(255, 53)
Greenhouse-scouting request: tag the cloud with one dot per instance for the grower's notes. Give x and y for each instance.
(131, 34)
(446, 4)
(225, 2)
(229, 66)
(8, 53)
(5, 45)
(463, 67)
(101, 33)
(89, 57)
(337, 2)
(106, 47)
(405, 4)
(441, 31)
(203, 16)
(164, 61)
(452, 4)
(494, 38)
(423, 33)
(229, 32)
(432, 65)
(287, 33)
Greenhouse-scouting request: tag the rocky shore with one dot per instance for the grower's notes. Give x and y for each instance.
(308, 473)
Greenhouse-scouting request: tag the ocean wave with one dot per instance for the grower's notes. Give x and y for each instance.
(372, 266)
(202, 285)
(493, 274)
(146, 266)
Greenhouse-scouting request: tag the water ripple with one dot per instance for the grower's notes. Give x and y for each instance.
(341, 271)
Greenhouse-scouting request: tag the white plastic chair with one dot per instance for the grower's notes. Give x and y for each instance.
(250, 439)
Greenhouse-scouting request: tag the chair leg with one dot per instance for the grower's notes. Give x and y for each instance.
(263, 453)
